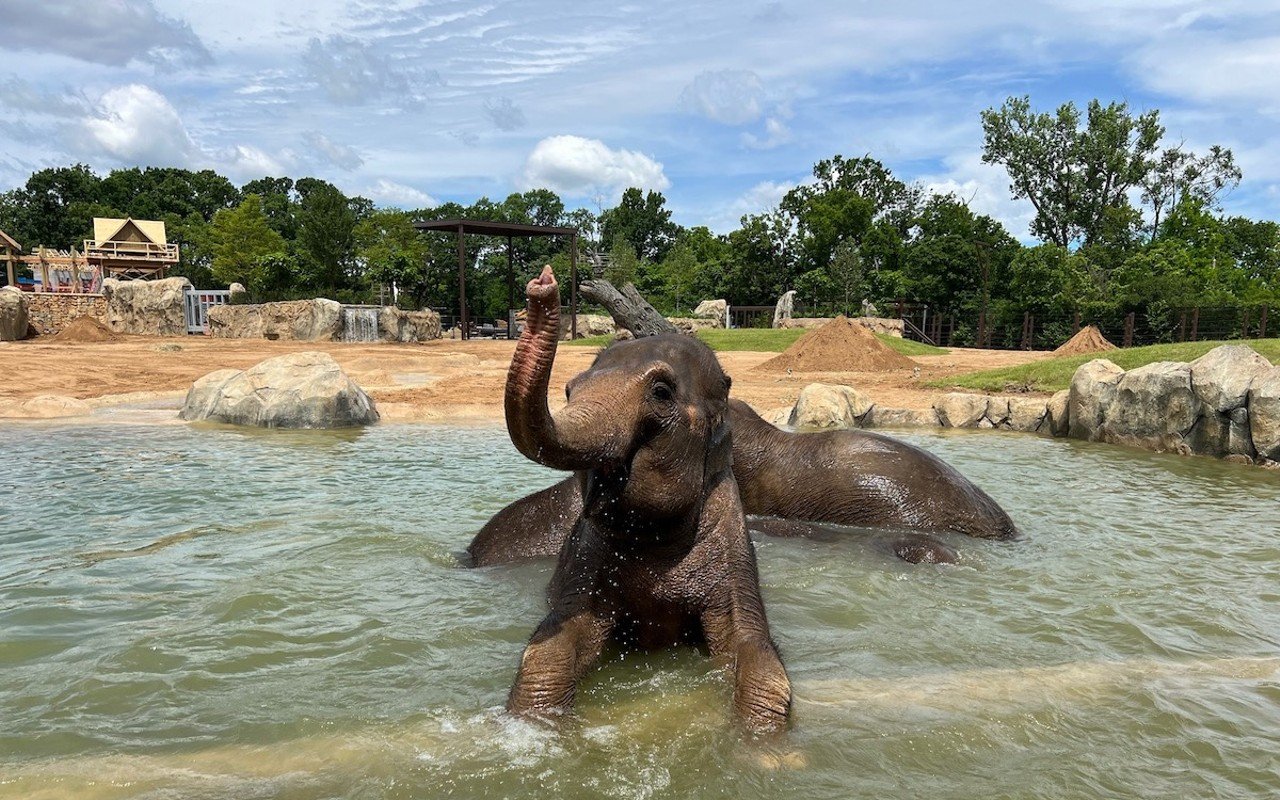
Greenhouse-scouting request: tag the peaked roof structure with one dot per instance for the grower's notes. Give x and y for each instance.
(107, 229)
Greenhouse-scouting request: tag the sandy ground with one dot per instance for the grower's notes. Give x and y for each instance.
(435, 381)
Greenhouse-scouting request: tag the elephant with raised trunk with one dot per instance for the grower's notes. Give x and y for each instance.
(657, 551)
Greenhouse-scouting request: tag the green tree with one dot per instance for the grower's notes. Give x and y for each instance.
(326, 235)
(239, 237)
(1071, 168)
(642, 221)
(1179, 175)
(395, 253)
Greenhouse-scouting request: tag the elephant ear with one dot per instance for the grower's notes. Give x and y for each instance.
(719, 454)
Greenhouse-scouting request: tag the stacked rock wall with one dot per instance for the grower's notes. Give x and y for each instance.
(49, 313)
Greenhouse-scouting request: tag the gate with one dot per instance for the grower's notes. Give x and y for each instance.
(198, 303)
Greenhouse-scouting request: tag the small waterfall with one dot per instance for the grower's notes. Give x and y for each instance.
(359, 324)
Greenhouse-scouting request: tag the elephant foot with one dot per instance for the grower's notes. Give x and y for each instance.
(919, 548)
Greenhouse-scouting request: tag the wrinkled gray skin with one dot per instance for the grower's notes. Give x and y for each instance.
(658, 551)
(846, 477)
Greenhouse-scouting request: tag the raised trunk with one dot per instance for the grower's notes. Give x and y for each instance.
(580, 437)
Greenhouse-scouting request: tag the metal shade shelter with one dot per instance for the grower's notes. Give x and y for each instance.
(511, 231)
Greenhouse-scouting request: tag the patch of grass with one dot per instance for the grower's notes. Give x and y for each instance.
(1055, 373)
(769, 340)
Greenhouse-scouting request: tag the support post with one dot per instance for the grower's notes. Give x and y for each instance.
(463, 322)
(1026, 330)
(511, 284)
(1195, 322)
(8, 258)
(1128, 329)
(573, 283)
(982, 327)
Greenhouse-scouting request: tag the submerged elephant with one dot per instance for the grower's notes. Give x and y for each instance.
(656, 551)
(846, 477)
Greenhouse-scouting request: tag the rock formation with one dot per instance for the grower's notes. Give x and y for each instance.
(822, 405)
(783, 308)
(397, 325)
(317, 320)
(147, 308)
(298, 390)
(13, 314)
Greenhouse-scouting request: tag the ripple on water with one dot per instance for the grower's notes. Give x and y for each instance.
(212, 612)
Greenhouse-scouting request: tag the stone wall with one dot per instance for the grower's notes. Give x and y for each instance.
(49, 313)
(317, 320)
(147, 308)
(889, 327)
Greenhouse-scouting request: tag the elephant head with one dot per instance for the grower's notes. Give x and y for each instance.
(646, 426)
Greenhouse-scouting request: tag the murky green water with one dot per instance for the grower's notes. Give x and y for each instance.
(212, 613)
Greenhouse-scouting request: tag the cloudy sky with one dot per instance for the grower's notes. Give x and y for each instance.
(721, 105)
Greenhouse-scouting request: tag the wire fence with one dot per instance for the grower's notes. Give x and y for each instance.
(1007, 329)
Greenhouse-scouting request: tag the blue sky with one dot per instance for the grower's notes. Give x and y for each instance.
(721, 105)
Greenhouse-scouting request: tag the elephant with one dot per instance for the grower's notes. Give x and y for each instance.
(657, 551)
(844, 477)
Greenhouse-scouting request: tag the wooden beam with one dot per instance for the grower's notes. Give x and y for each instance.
(462, 283)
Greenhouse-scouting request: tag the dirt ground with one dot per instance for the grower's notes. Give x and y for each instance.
(435, 381)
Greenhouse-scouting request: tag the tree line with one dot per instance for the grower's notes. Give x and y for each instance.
(1125, 223)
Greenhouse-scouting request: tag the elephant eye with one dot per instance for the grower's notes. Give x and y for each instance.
(663, 392)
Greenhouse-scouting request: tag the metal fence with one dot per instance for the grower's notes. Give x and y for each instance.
(197, 303)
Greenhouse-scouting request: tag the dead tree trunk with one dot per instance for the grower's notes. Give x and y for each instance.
(628, 308)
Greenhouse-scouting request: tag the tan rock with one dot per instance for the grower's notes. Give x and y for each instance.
(13, 314)
(1027, 413)
(1092, 388)
(298, 390)
(961, 409)
(1264, 414)
(301, 320)
(823, 405)
(1153, 407)
(1221, 377)
(1058, 422)
(51, 406)
(147, 308)
(881, 417)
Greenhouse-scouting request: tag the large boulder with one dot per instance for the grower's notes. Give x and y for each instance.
(397, 325)
(13, 314)
(1153, 407)
(823, 405)
(1056, 417)
(47, 406)
(1026, 413)
(147, 308)
(783, 308)
(714, 309)
(588, 325)
(298, 390)
(317, 320)
(961, 410)
(1221, 377)
(1093, 386)
(689, 325)
(1264, 414)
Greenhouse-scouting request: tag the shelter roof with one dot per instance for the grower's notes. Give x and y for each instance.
(488, 228)
(106, 229)
(8, 241)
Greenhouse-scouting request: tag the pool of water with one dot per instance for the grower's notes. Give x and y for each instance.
(208, 612)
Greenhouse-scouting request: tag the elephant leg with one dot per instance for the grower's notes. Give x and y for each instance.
(559, 654)
(736, 630)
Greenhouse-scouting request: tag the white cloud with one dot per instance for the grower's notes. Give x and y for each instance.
(112, 33)
(135, 124)
(245, 163)
(352, 72)
(326, 149)
(985, 187)
(390, 193)
(761, 197)
(776, 133)
(1213, 70)
(504, 114)
(731, 97)
(577, 166)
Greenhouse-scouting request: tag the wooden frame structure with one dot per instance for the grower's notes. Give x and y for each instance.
(510, 230)
(11, 251)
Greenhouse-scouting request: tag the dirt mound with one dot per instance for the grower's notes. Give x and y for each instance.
(1088, 340)
(85, 329)
(841, 345)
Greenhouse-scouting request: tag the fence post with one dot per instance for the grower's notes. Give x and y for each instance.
(1195, 321)
(1182, 327)
(1076, 328)
(982, 327)
(1128, 329)
(1244, 324)
(1262, 334)
(1026, 321)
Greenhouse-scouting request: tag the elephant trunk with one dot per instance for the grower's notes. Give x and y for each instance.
(585, 434)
